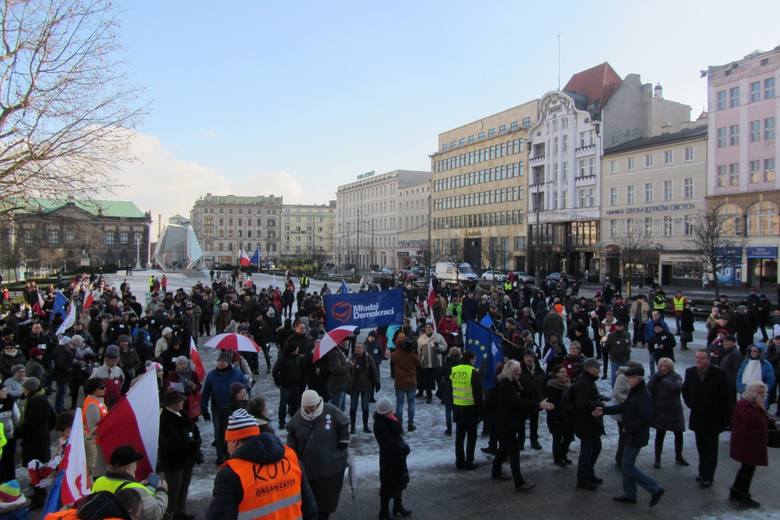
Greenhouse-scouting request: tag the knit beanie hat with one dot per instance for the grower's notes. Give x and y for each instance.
(235, 388)
(384, 406)
(31, 384)
(241, 425)
(310, 398)
(11, 494)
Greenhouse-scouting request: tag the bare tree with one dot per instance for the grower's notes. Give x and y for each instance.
(715, 235)
(634, 249)
(65, 110)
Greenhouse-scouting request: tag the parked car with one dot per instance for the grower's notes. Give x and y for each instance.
(449, 272)
(493, 276)
(525, 277)
(555, 277)
(407, 275)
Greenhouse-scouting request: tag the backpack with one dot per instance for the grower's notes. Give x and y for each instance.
(100, 505)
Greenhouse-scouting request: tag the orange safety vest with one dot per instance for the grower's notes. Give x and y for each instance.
(89, 401)
(271, 491)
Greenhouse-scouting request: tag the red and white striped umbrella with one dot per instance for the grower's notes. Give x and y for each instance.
(330, 340)
(233, 341)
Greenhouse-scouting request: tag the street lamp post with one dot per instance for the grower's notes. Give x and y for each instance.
(137, 253)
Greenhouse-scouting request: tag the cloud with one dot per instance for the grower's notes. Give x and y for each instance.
(208, 134)
(166, 185)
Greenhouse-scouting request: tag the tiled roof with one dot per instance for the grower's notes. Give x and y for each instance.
(596, 83)
(108, 208)
(657, 140)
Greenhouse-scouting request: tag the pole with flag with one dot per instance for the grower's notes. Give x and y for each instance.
(344, 288)
(60, 303)
(431, 300)
(255, 260)
(69, 320)
(486, 345)
(134, 420)
(72, 481)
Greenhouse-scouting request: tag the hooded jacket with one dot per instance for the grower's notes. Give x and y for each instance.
(767, 371)
(228, 492)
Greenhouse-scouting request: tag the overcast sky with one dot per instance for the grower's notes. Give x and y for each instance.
(297, 98)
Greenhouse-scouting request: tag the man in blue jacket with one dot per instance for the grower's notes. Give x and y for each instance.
(216, 390)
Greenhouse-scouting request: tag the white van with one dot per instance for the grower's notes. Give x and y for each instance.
(450, 272)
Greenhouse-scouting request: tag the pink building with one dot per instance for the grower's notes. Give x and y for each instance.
(744, 110)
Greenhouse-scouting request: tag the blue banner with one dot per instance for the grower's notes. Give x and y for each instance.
(365, 309)
(486, 344)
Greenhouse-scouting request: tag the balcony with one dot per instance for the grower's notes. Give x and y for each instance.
(585, 180)
(536, 160)
(536, 188)
(585, 150)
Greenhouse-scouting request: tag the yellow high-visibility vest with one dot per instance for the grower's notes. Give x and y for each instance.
(679, 303)
(462, 393)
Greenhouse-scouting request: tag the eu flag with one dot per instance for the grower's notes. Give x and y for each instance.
(487, 346)
(60, 303)
(255, 259)
(344, 289)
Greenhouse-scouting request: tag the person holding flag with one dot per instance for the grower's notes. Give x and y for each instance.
(467, 409)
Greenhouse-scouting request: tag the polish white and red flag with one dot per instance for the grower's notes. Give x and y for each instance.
(195, 357)
(75, 483)
(431, 301)
(89, 300)
(243, 258)
(134, 421)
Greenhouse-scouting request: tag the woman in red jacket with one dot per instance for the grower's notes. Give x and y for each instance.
(748, 441)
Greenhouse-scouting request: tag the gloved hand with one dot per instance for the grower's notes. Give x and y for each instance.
(206, 415)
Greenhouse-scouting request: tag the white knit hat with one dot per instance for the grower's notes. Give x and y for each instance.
(384, 406)
(310, 398)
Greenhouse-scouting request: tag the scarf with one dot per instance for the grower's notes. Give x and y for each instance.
(752, 372)
(313, 415)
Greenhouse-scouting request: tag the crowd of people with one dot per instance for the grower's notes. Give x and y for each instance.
(555, 347)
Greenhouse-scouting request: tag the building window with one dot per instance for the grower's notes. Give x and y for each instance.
(28, 237)
(630, 195)
(721, 137)
(564, 171)
(762, 219)
(688, 188)
(734, 174)
(755, 91)
(582, 168)
(769, 169)
(613, 228)
(668, 190)
(612, 166)
(721, 100)
(688, 153)
(70, 235)
(722, 177)
(123, 237)
(769, 128)
(649, 160)
(668, 157)
(109, 238)
(755, 171)
(564, 142)
(733, 135)
(755, 131)
(54, 237)
(648, 192)
(613, 195)
(733, 97)
(648, 226)
(667, 226)
(769, 88)
(630, 163)
(687, 225)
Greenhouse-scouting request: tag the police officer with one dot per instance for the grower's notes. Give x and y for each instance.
(261, 479)
(678, 303)
(467, 409)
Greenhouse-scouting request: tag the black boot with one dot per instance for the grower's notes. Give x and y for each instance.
(352, 423)
(399, 509)
(366, 429)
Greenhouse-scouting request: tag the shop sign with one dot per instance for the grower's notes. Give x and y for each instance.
(762, 252)
(653, 208)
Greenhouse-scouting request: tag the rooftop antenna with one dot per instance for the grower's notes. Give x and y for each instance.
(559, 61)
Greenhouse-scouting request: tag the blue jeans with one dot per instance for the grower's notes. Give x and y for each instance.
(59, 399)
(399, 403)
(614, 365)
(339, 400)
(652, 364)
(633, 476)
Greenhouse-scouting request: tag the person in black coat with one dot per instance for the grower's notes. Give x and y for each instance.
(533, 379)
(514, 401)
(37, 421)
(587, 427)
(288, 376)
(706, 392)
(637, 412)
(739, 324)
(179, 450)
(661, 345)
(559, 422)
(393, 473)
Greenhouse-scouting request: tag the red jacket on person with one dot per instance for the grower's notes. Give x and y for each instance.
(749, 434)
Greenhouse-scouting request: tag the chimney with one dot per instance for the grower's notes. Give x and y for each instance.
(658, 91)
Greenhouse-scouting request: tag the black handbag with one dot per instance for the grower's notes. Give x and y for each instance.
(773, 439)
